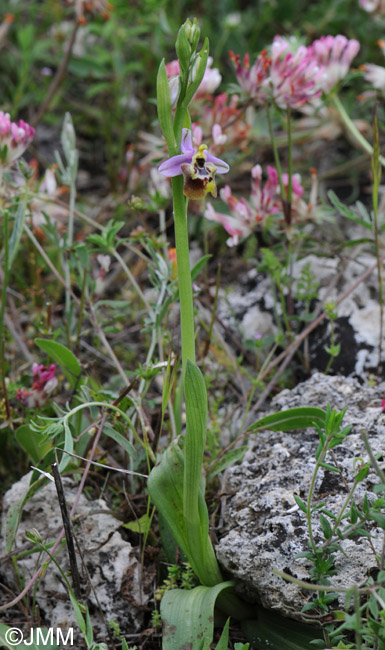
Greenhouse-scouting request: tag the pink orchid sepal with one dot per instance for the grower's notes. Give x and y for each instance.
(197, 166)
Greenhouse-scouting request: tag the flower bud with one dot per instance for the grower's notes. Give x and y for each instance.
(193, 33)
(174, 86)
(183, 50)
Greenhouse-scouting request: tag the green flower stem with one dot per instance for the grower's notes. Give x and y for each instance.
(366, 146)
(290, 154)
(184, 272)
(6, 273)
(275, 151)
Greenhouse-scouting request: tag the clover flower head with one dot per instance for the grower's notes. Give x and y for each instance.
(197, 166)
(264, 202)
(14, 138)
(254, 80)
(44, 383)
(296, 77)
(335, 54)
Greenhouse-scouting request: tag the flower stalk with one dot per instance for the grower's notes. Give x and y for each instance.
(184, 272)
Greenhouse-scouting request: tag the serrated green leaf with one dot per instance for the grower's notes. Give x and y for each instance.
(291, 419)
(63, 357)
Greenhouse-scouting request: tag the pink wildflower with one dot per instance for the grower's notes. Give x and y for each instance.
(246, 215)
(335, 54)
(296, 76)
(223, 113)
(14, 138)
(44, 383)
(264, 202)
(253, 80)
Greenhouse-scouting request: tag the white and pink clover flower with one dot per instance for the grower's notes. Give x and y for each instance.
(254, 80)
(44, 383)
(264, 202)
(14, 138)
(335, 54)
(296, 77)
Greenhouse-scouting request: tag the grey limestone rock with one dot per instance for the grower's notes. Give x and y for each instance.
(264, 529)
(248, 306)
(115, 584)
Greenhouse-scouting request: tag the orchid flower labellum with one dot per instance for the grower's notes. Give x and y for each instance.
(197, 166)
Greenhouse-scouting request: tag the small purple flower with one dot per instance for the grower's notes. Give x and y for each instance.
(197, 166)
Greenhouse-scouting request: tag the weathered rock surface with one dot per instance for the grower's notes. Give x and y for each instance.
(263, 527)
(249, 307)
(116, 586)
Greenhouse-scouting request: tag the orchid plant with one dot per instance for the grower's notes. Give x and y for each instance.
(175, 484)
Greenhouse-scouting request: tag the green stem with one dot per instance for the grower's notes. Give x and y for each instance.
(184, 272)
(311, 492)
(275, 151)
(348, 122)
(6, 274)
(290, 154)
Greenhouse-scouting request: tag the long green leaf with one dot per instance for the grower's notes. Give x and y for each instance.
(64, 357)
(295, 418)
(17, 231)
(14, 513)
(194, 507)
(188, 617)
(196, 421)
(165, 486)
(270, 631)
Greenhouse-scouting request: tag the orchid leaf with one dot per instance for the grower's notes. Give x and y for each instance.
(188, 617)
